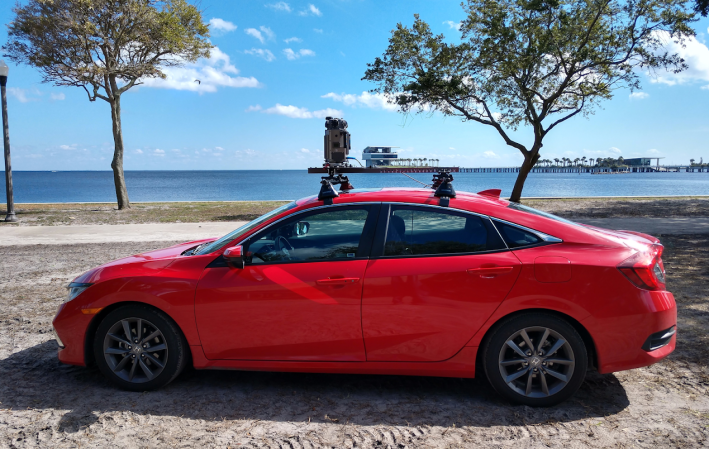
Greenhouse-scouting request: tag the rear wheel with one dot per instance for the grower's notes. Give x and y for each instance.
(139, 348)
(535, 359)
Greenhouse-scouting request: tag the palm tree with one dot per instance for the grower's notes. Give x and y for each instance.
(425, 163)
(691, 162)
(556, 159)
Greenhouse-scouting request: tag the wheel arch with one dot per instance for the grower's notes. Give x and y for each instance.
(96, 321)
(583, 332)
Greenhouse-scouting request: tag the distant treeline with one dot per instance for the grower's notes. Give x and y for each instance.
(598, 162)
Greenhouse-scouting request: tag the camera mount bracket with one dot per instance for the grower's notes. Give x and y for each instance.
(327, 189)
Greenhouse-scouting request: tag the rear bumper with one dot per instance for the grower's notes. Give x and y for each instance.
(622, 342)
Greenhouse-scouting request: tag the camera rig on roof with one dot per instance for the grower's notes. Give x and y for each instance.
(337, 147)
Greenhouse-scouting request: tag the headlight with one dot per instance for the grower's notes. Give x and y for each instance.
(75, 289)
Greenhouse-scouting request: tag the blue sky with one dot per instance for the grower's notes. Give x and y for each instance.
(279, 67)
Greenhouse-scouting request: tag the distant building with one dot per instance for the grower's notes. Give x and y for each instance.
(379, 155)
(642, 161)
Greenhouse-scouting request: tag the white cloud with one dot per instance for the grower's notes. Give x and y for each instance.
(280, 6)
(653, 151)
(138, 151)
(212, 73)
(366, 99)
(318, 30)
(638, 96)
(291, 55)
(614, 150)
(159, 152)
(68, 147)
(262, 34)
(57, 97)
(222, 25)
(695, 55)
(292, 39)
(296, 112)
(305, 150)
(453, 25)
(20, 94)
(311, 9)
(705, 87)
(254, 108)
(261, 53)
(490, 154)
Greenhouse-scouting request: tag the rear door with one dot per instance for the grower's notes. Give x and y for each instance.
(435, 276)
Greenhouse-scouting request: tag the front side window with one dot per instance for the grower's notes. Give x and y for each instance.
(414, 231)
(332, 234)
(218, 244)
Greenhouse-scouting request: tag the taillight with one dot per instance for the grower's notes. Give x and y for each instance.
(645, 269)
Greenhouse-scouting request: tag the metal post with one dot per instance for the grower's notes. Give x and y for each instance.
(8, 165)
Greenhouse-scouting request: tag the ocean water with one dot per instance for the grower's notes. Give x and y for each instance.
(97, 186)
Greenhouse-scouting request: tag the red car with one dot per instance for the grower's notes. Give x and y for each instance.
(389, 281)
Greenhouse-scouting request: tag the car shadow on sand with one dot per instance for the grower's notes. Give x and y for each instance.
(33, 378)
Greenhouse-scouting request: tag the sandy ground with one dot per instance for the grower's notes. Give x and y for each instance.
(46, 404)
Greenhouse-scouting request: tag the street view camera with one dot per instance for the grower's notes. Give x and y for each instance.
(337, 142)
(337, 148)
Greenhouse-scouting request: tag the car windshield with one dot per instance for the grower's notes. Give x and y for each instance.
(531, 210)
(218, 244)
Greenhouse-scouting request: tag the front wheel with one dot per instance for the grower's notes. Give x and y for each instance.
(139, 348)
(535, 359)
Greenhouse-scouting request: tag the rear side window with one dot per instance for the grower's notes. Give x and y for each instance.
(416, 231)
(516, 237)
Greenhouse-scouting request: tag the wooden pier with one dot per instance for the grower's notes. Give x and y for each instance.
(593, 170)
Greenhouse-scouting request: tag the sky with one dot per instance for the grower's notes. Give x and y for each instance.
(278, 68)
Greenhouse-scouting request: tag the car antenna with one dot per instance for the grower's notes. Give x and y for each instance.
(443, 187)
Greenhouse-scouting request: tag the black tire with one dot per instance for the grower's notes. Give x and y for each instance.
(150, 364)
(535, 380)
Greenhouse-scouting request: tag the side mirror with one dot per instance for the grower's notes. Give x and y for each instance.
(234, 256)
(301, 228)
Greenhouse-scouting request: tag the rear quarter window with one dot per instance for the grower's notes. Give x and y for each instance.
(516, 237)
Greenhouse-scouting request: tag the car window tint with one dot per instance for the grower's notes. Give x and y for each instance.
(331, 234)
(516, 237)
(417, 231)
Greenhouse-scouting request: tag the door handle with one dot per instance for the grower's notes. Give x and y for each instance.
(490, 272)
(337, 281)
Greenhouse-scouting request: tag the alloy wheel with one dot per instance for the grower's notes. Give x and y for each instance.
(135, 350)
(536, 362)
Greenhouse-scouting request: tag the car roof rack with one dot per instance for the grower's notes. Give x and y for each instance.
(443, 187)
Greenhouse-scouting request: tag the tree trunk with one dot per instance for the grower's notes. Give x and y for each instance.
(117, 163)
(529, 160)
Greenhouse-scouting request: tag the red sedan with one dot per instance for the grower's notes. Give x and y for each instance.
(389, 281)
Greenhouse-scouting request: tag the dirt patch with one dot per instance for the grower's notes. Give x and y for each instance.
(44, 403)
(623, 207)
(55, 214)
(194, 212)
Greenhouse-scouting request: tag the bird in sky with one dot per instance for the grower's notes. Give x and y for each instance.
(198, 81)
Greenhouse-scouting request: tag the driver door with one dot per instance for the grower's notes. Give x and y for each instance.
(299, 294)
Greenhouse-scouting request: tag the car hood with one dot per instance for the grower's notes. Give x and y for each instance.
(142, 264)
